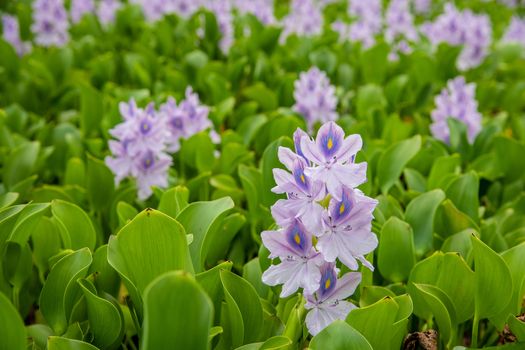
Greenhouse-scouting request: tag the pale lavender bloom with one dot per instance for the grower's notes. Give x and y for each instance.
(347, 233)
(334, 156)
(153, 10)
(79, 8)
(315, 97)
(195, 112)
(50, 23)
(465, 28)
(107, 10)
(11, 34)
(515, 32)
(367, 22)
(223, 13)
(151, 169)
(304, 19)
(328, 304)
(456, 101)
(400, 27)
(262, 9)
(422, 6)
(184, 8)
(303, 193)
(299, 266)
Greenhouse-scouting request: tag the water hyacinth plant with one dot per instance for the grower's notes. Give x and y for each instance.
(262, 174)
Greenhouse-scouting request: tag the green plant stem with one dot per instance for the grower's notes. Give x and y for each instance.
(475, 329)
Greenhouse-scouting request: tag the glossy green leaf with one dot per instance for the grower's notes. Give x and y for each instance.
(100, 183)
(20, 164)
(12, 332)
(147, 247)
(60, 291)
(420, 214)
(393, 161)
(202, 220)
(59, 343)
(396, 256)
(177, 314)
(442, 167)
(8, 199)
(210, 281)
(464, 192)
(174, 200)
(340, 336)
(105, 318)
(76, 228)
(274, 343)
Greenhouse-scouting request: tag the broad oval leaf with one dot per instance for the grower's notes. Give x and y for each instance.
(76, 226)
(396, 255)
(59, 343)
(12, 332)
(340, 336)
(177, 314)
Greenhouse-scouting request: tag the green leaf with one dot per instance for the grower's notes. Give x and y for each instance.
(46, 243)
(8, 199)
(20, 164)
(147, 247)
(270, 161)
(100, 183)
(464, 192)
(395, 257)
(12, 332)
(105, 318)
(517, 327)
(27, 222)
(274, 343)
(75, 225)
(493, 281)
(394, 159)
(420, 214)
(375, 322)
(91, 109)
(442, 167)
(60, 292)
(340, 336)
(202, 220)
(450, 220)
(244, 309)
(210, 281)
(105, 277)
(58, 343)
(177, 314)
(265, 98)
(174, 200)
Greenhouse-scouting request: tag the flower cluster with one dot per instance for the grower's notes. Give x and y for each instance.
(366, 25)
(304, 19)
(399, 27)
(422, 6)
(515, 32)
(79, 8)
(146, 137)
(315, 97)
(11, 34)
(107, 10)
(223, 13)
(465, 28)
(457, 101)
(313, 236)
(262, 9)
(50, 23)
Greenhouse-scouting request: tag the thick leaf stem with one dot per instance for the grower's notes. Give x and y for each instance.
(475, 329)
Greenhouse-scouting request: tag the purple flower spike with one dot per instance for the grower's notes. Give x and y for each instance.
(304, 19)
(299, 266)
(262, 9)
(79, 8)
(107, 10)
(50, 23)
(11, 34)
(515, 32)
(315, 97)
(457, 101)
(334, 156)
(347, 233)
(327, 304)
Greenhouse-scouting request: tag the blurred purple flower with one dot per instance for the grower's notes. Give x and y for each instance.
(315, 97)
(107, 10)
(262, 9)
(79, 8)
(304, 19)
(223, 13)
(184, 8)
(299, 266)
(328, 304)
(515, 32)
(422, 6)
(399, 27)
(457, 101)
(366, 22)
(11, 34)
(50, 23)
(334, 156)
(347, 233)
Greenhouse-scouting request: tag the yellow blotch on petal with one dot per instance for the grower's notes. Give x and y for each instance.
(297, 238)
(342, 209)
(327, 284)
(330, 143)
(303, 179)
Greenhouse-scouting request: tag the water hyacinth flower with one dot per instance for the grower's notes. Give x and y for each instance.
(139, 149)
(299, 266)
(399, 27)
(304, 19)
(262, 9)
(366, 24)
(107, 10)
(11, 34)
(50, 23)
(315, 236)
(334, 156)
(79, 8)
(184, 8)
(457, 100)
(515, 33)
(422, 6)
(315, 97)
(223, 13)
(327, 304)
